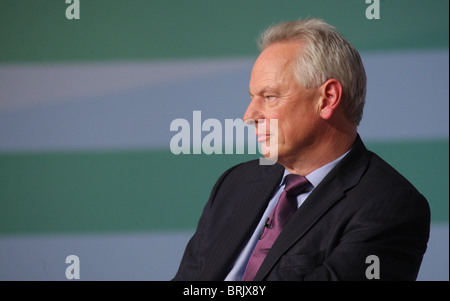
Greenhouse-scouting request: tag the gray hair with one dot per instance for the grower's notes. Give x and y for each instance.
(325, 54)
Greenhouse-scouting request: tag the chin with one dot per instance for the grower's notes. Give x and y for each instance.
(270, 152)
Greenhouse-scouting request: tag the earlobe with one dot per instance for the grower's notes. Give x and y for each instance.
(326, 113)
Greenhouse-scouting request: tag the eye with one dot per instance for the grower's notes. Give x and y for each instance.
(270, 97)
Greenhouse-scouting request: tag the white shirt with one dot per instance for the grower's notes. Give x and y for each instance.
(315, 177)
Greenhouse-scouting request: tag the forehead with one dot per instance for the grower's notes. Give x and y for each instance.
(274, 66)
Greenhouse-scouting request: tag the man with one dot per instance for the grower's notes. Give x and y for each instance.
(357, 217)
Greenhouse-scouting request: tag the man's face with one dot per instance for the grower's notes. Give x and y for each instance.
(276, 94)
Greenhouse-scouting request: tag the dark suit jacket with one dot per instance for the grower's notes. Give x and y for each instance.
(362, 207)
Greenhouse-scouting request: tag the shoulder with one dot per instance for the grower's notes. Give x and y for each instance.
(250, 171)
(385, 175)
(388, 190)
(365, 169)
(246, 176)
(372, 183)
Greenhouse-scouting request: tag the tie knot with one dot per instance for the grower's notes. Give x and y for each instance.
(295, 184)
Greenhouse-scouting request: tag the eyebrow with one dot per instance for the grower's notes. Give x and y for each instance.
(264, 90)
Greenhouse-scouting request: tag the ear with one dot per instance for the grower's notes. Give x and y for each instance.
(330, 96)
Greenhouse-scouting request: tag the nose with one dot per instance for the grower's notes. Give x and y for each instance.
(253, 113)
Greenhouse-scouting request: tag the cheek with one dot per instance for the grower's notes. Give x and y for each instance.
(288, 133)
(271, 124)
(292, 122)
(296, 128)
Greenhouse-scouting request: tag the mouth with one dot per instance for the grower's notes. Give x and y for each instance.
(263, 137)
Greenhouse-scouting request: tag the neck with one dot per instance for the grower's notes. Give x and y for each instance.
(325, 149)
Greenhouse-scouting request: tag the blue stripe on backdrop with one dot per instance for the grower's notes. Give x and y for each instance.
(152, 256)
(137, 113)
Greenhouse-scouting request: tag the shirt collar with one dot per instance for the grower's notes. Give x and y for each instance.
(316, 176)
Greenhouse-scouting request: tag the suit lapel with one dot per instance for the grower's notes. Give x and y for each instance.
(332, 189)
(243, 220)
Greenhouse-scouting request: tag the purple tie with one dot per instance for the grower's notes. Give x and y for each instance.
(283, 211)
